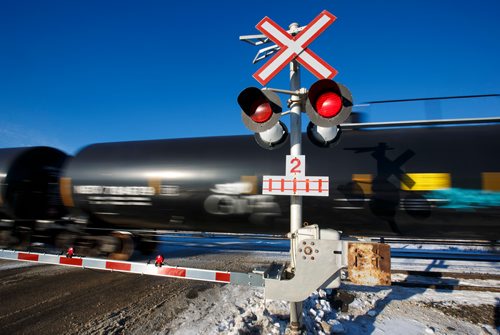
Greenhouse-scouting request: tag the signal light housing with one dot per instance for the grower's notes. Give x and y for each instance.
(325, 137)
(328, 103)
(261, 109)
(260, 112)
(273, 138)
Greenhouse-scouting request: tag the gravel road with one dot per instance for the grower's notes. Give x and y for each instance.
(44, 299)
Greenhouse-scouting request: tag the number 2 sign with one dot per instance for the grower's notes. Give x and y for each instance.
(296, 182)
(295, 166)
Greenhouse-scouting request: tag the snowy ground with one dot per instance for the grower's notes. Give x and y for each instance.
(388, 310)
(225, 309)
(160, 306)
(353, 309)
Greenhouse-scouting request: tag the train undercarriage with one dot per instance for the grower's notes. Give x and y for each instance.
(65, 234)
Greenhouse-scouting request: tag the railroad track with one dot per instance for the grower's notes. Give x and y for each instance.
(225, 242)
(451, 255)
(485, 260)
(450, 281)
(476, 243)
(283, 245)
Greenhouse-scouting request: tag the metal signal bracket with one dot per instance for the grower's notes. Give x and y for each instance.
(257, 40)
(320, 256)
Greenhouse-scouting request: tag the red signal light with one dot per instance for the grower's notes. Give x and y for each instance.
(262, 111)
(328, 104)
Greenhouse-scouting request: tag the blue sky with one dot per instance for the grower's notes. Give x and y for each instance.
(79, 72)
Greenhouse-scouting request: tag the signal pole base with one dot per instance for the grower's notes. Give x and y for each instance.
(296, 325)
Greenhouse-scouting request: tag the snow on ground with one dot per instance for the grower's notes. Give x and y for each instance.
(385, 310)
(448, 247)
(351, 310)
(445, 265)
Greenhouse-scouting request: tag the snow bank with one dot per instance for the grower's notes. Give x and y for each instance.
(390, 310)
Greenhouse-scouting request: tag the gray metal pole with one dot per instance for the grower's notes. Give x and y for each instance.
(295, 149)
(295, 139)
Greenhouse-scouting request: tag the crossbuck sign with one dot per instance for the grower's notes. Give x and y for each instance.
(295, 47)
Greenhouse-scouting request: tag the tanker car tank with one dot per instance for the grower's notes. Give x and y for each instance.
(29, 183)
(425, 182)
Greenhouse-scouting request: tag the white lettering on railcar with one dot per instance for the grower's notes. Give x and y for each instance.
(88, 189)
(170, 190)
(114, 190)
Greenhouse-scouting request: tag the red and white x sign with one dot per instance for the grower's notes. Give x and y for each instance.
(292, 47)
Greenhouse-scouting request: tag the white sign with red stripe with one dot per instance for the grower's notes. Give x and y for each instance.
(296, 182)
(122, 266)
(295, 47)
(308, 186)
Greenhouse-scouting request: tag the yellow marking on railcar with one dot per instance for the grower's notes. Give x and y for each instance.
(66, 194)
(491, 181)
(252, 180)
(428, 181)
(364, 181)
(155, 183)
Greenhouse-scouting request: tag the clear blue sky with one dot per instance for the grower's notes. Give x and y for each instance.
(79, 72)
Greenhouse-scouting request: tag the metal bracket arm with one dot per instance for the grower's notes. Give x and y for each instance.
(301, 92)
(318, 265)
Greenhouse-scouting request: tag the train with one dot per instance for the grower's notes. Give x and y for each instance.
(438, 181)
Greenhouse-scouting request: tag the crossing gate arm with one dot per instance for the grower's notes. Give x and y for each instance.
(150, 269)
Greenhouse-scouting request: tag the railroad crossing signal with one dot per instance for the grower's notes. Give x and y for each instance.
(295, 47)
(330, 104)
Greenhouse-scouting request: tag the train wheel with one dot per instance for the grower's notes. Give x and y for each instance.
(23, 236)
(125, 246)
(65, 240)
(7, 239)
(147, 245)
